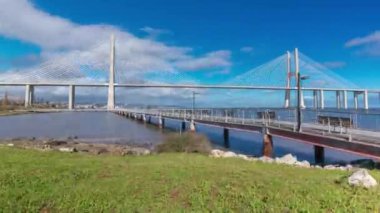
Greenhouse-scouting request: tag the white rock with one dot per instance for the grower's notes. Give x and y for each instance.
(229, 154)
(304, 164)
(67, 149)
(266, 159)
(362, 178)
(330, 167)
(318, 167)
(349, 167)
(253, 159)
(245, 157)
(10, 144)
(287, 159)
(216, 153)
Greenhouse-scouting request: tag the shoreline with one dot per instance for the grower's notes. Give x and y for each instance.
(80, 146)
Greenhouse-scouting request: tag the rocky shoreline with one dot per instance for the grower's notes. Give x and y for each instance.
(289, 159)
(359, 177)
(74, 145)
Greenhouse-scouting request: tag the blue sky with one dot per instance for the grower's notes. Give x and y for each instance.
(249, 32)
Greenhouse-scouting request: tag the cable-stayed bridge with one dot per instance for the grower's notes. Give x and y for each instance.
(228, 104)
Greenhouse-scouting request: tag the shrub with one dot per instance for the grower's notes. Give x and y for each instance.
(188, 142)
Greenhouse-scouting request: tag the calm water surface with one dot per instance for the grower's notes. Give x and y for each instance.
(108, 127)
(97, 126)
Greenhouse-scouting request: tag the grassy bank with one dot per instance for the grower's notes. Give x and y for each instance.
(33, 180)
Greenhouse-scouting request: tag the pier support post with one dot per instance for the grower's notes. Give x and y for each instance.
(71, 97)
(319, 155)
(183, 126)
(29, 95)
(267, 145)
(226, 137)
(192, 126)
(322, 99)
(365, 99)
(149, 119)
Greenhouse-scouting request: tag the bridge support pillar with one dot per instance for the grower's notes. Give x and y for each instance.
(192, 126)
(29, 95)
(321, 99)
(315, 99)
(287, 98)
(267, 145)
(71, 97)
(365, 99)
(338, 99)
(111, 87)
(356, 101)
(226, 137)
(149, 119)
(345, 103)
(319, 155)
(183, 126)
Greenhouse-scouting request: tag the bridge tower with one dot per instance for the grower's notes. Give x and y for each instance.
(289, 75)
(111, 86)
(297, 67)
(288, 78)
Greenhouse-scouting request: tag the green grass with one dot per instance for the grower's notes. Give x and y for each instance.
(33, 181)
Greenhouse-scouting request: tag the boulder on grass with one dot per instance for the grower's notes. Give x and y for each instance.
(362, 178)
(67, 149)
(287, 159)
(229, 154)
(216, 153)
(266, 159)
(304, 164)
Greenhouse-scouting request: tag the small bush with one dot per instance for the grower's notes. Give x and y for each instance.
(187, 142)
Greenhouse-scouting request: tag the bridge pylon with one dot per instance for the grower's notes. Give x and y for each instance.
(289, 75)
(111, 86)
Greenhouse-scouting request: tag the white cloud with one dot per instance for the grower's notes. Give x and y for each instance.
(246, 49)
(154, 33)
(215, 59)
(334, 64)
(369, 44)
(80, 53)
(59, 37)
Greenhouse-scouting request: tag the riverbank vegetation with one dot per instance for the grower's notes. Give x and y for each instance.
(187, 142)
(33, 181)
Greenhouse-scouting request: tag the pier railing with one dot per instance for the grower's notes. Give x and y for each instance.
(329, 121)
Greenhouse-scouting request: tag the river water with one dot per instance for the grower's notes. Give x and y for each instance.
(110, 128)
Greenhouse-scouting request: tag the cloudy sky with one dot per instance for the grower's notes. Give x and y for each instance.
(207, 39)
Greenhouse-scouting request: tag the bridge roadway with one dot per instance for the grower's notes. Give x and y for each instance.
(185, 86)
(361, 142)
